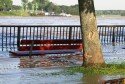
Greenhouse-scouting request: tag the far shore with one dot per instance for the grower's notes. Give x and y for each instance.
(59, 20)
(111, 16)
(74, 16)
(35, 16)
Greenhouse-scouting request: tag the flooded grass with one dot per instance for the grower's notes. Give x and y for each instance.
(107, 69)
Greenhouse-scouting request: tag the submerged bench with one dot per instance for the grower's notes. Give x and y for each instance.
(42, 47)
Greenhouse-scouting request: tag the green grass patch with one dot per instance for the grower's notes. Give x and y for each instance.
(108, 69)
(14, 13)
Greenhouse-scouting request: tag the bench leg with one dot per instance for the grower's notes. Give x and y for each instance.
(31, 48)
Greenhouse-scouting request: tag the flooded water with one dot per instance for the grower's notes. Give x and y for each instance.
(10, 73)
(39, 76)
(114, 54)
(57, 21)
(39, 21)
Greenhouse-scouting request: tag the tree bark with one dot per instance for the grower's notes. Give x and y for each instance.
(92, 51)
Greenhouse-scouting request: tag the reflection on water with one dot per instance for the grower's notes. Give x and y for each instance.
(10, 73)
(92, 79)
(39, 20)
(98, 79)
(114, 54)
(47, 76)
(57, 21)
(39, 76)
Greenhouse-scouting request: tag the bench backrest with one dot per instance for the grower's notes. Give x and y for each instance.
(50, 44)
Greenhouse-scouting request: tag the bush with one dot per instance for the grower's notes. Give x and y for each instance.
(14, 13)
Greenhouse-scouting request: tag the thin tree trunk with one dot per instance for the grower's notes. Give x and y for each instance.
(91, 43)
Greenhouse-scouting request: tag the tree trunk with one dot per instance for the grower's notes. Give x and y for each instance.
(92, 51)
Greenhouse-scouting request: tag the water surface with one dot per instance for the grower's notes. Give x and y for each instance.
(10, 73)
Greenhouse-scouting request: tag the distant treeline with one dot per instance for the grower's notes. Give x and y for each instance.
(5, 5)
(110, 12)
(47, 6)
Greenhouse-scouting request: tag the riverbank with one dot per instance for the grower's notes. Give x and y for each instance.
(14, 13)
(21, 13)
(111, 17)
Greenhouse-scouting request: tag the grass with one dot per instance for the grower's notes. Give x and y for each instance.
(14, 13)
(108, 69)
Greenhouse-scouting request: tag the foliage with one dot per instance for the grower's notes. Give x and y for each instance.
(25, 4)
(48, 6)
(110, 12)
(14, 13)
(5, 5)
(15, 7)
(74, 10)
(108, 69)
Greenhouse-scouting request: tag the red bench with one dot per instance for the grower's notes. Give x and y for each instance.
(42, 47)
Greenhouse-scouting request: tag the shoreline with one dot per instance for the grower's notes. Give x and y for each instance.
(73, 16)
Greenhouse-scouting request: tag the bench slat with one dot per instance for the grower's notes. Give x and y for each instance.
(43, 52)
(50, 47)
(42, 47)
(27, 42)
